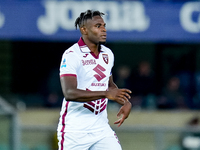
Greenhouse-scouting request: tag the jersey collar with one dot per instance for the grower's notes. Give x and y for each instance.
(83, 47)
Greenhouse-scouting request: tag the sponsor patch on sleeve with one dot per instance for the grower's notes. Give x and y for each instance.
(63, 65)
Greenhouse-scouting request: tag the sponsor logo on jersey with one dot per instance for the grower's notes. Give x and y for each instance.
(98, 84)
(105, 58)
(89, 62)
(99, 70)
(63, 63)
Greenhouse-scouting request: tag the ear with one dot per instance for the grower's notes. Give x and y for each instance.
(83, 30)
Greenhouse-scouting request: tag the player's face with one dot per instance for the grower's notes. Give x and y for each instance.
(96, 30)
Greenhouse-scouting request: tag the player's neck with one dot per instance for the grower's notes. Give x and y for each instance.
(94, 48)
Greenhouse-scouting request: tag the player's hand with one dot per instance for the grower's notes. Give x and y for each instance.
(123, 113)
(119, 95)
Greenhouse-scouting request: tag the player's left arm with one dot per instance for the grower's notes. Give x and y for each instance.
(126, 106)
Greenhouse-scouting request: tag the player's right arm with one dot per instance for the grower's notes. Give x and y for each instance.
(71, 93)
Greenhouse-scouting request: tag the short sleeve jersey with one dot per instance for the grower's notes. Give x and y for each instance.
(92, 73)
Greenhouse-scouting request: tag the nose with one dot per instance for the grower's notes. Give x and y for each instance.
(104, 29)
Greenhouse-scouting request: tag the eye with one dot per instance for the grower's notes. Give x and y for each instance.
(98, 26)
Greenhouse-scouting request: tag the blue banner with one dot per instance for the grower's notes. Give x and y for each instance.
(126, 20)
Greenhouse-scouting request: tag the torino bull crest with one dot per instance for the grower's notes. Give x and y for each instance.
(105, 58)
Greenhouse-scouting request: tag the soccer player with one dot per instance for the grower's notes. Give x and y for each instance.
(87, 84)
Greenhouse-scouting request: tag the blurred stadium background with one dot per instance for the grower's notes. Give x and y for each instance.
(157, 55)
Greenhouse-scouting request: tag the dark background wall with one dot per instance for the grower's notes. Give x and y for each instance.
(31, 69)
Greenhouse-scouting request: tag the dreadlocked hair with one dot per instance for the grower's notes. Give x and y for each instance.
(86, 15)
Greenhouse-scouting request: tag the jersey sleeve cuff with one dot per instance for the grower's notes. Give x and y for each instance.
(63, 75)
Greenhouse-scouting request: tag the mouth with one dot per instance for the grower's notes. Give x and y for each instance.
(104, 36)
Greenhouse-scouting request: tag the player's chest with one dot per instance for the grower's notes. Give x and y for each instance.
(91, 65)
